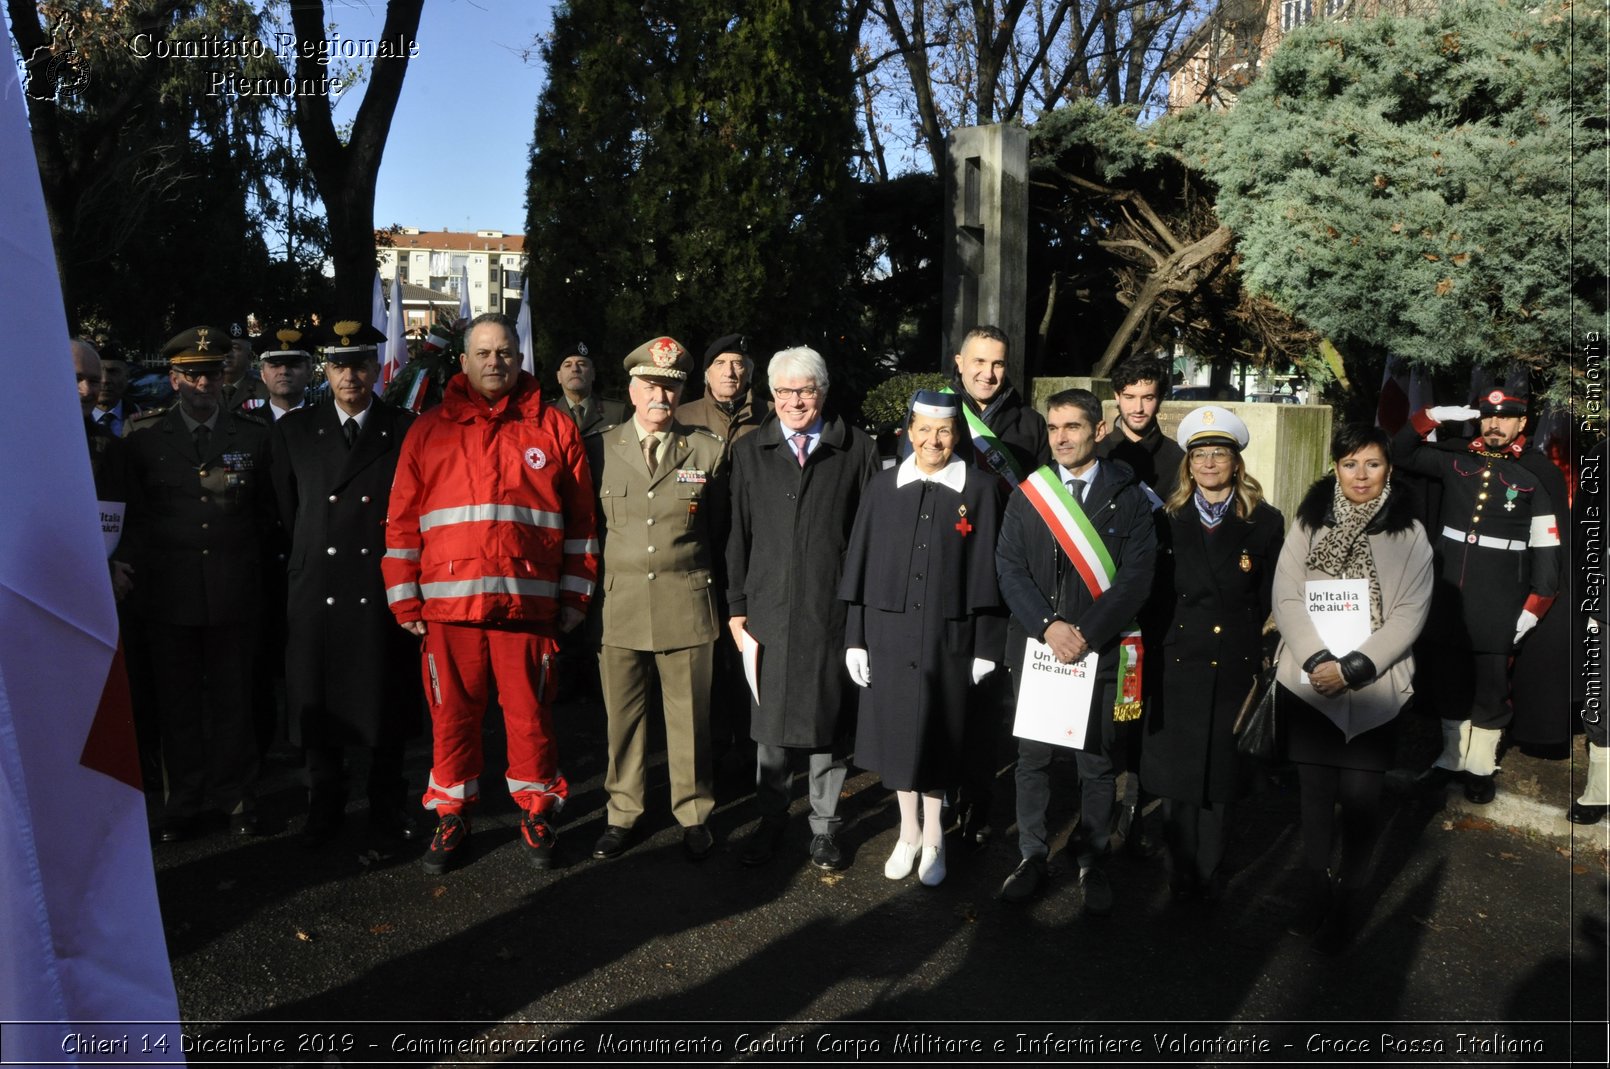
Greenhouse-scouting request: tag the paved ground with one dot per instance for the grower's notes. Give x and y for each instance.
(1478, 929)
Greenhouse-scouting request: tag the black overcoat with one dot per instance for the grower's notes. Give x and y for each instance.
(1216, 588)
(919, 578)
(351, 674)
(785, 553)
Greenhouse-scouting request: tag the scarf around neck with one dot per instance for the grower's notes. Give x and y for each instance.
(1343, 551)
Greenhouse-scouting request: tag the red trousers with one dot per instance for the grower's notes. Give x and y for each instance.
(459, 663)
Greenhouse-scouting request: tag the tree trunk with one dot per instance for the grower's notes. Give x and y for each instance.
(345, 173)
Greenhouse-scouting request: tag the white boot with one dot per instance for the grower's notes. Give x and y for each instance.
(898, 867)
(1455, 745)
(1597, 791)
(1481, 759)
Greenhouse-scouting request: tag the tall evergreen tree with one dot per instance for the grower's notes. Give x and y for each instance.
(1429, 188)
(690, 175)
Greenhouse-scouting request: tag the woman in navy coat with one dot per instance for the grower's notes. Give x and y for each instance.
(925, 621)
(1215, 579)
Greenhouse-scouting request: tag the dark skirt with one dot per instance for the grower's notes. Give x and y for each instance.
(1308, 737)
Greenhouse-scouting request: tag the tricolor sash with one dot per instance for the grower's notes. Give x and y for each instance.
(992, 452)
(1078, 538)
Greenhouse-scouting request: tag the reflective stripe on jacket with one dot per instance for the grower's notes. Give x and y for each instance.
(491, 514)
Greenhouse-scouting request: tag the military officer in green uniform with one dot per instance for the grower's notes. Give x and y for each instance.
(201, 516)
(657, 487)
(241, 388)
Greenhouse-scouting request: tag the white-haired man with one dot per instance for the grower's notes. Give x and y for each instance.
(796, 483)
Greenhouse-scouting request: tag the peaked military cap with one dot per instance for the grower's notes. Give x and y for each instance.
(662, 358)
(197, 349)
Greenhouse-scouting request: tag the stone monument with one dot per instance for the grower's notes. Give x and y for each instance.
(986, 237)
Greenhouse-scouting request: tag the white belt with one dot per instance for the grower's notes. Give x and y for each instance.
(1484, 540)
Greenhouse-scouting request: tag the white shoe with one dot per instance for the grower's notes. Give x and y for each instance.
(898, 867)
(931, 870)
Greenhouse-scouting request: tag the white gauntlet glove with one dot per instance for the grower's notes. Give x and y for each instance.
(981, 668)
(1523, 624)
(1453, 413)
(860, 670)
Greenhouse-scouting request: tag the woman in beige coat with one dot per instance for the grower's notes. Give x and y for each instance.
(1337, 707)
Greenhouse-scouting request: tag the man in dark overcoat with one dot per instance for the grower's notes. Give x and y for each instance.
(1052, 604)
(202, 520)
(351, 674)
(1007, 436)
(796, 483)
(1498, 572)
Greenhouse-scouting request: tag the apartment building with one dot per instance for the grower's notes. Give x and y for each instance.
(438, 260)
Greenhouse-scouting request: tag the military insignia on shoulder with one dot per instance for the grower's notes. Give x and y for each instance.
(146, 417)
(253, 403)
(708, 433)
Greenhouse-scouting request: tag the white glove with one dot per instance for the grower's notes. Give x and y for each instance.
(981, 668)
(1453, 413)
(1525, 623)
(860, 670)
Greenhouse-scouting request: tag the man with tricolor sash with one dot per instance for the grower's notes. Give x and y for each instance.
(1075, 560)
(1008, 438)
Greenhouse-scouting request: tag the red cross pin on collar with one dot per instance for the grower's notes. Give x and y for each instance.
(962, 525)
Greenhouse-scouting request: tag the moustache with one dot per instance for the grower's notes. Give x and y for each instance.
(659, 406)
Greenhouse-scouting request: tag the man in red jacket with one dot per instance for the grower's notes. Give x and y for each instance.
(491, 552)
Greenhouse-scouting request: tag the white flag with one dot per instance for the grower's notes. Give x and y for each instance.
(522, 325)
(377, 305)
(79, 922)
(395, 354)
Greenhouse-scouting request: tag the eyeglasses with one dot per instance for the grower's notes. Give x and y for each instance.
(808, 393)
(1202, 456)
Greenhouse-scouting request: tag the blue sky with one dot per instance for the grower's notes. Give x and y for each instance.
(456, 158)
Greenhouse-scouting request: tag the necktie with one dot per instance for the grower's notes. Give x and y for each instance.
(578, 413)
(1076, 487)
(800, 442)
(202, 435)
(350, 430)
(651, 448)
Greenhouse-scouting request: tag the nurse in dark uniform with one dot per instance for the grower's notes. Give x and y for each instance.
(925, 621)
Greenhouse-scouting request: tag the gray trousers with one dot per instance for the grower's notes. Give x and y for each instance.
(825, 774)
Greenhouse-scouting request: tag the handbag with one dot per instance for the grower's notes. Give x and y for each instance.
(1255, 724)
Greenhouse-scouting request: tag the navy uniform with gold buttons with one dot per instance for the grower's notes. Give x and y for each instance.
(1499, 567)
(351, 674)
(201, 515)
(658, 595)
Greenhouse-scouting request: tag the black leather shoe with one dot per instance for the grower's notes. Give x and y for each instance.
(1480, 789)
(762, 843)
(177, 830)
(612, 843)
(1098, 891)
(826, 854)
(1585, 814)
(245, 824)
(1435, 778)
(698, 842)
(975, 824)
(1025, 881)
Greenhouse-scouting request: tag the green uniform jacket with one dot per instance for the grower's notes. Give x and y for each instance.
(199, 526)
(658, 590)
